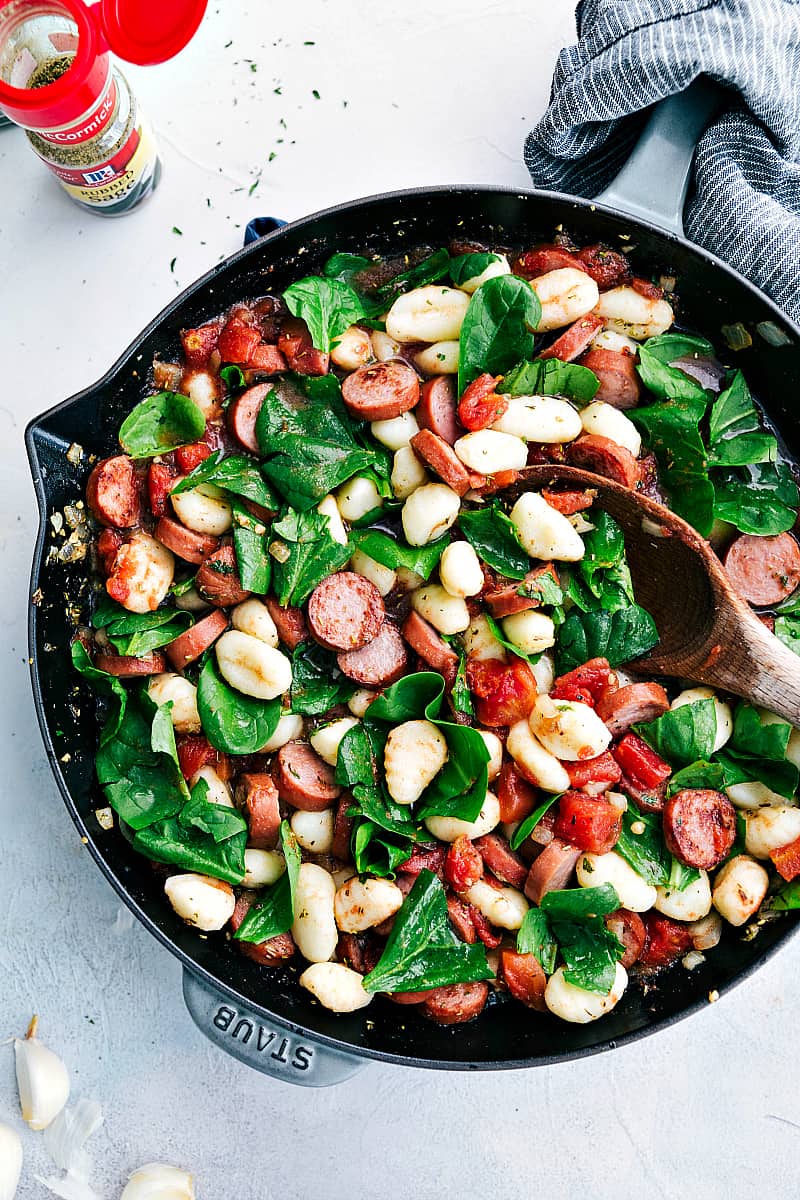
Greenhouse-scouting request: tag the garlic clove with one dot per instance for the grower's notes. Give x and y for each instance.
(10, 1162)
(157, 1181)
(42, 1080)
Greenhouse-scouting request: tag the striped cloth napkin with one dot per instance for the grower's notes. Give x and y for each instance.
(745, 202)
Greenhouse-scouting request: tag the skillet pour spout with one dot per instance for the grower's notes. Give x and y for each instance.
(706, 631)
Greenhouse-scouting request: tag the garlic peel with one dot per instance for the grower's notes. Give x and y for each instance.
(158, 1181)
(69, 1187)
(67, 1135)
(42, 1080)
(10, 1162)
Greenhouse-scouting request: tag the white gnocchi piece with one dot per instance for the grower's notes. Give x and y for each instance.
(479, 641)
(171, 688)
(408, 580)
(203, 509)
(531, 630)
(504, 907)
(609, 339)
(201, 901)
(313, 830)
(447, 829)
(253, 617)
(314, 926)
(395, 432)
(429, 512)
(568, 729)
(362, 904)
(495, 747)
(752, 795)
(739, 888)
(383, 577)
(540, 419)
(219, 791)
(336, 986)
(544, 532)
(544, 672)
(262, 868)
(460, 570)
(327, 738)
(722, 711)
(252, 667)
(147, 569)
(414, 754)
(202, 387)
(536, 763)
(770, 828)
(427, 314)
(500, 267)
(565, 295)
(626, 311)
(573, 1004)
(449, 614)
(488, 451)
(289, 729)
(352, 349)
(439, 359)
(634, 893)
(408, 473)
(360, 701)
(328, 507)
(605, 420)
(691, 904)
(191, 601)
(358, 497)
(384, 347)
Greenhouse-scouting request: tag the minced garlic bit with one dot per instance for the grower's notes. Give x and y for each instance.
(74, 454)
(713, 997)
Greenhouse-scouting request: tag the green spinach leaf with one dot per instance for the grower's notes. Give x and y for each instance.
(551, 377)
(137, 765)
(664, 381)
(251, 542)
(683, 735)
(328, 307)
(233, 722)
(395, 553)
(734, 430)
(274, 912)
(527, 826)
(536, 937)
(376, 852)
(233, 378)
(498, 328)
(317, 682)
(429, 270)
(105, 684)
(700, 774)
(470, 266)
(494, 539)
(205, 837)
(160, 423)
(344, 267)
(619, 636)
(761, 498)
(672, 432)
(644, 850)
(235, 474)
(590, 952)
(312, 554)
(139, 634)
(578, 904)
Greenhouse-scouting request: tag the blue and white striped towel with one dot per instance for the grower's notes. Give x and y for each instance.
(745, 203)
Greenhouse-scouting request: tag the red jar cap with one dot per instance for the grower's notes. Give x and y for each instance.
(139, 31)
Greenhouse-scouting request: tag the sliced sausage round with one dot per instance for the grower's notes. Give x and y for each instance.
(460, 916)
(190, 546)
(628, 928)
(303, 779)
(551, 870)
(505, 601)
(607, 267)
(381, 391)
(409, 997)
(665, 941)
(112, 492)
(218, 580)
(627, 705)
(764, 570)
(188, 646)
(345, 611)
(257, 796)
(127, 666)
(437, 408)
(574, 340)
(544, 258)
(342, 829)
(381, 662)
(517, 797)
(620, 385)
(699, 827)
(442, 459)
(430, 646)
(243, 413)
(456, 1004)
(289, 622)
(599, 454)
(500, 859)
(524, 978)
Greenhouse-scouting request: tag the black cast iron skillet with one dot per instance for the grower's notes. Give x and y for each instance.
(264, 1017)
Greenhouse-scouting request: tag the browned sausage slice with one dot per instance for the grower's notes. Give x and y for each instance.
(243, 414)
(460, 915)
(764, 570)
(599, 454)
(430, 646)
(289, 622)
(458, 1003)
(127, 666)
(257, 795)
(342, 828)
(634, 702)
(381, 662)
(619, 380)
(524, 978)
(112, 492)
(505, 601)
(574, 340)
(190, 645)
(699, 827)
(409, 997)
(628, 928)
(437, 409)
(381, 391)
(190, 546)
(500, 859)
(551, 869)
(303, 779)
(345, 611)
(443, 460)
(218, 580)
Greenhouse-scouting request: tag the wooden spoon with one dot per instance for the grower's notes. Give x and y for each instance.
(707, 631)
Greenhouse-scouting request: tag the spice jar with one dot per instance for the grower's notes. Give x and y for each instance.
(58, 81)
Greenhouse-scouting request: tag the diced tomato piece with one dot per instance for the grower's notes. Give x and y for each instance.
(237, 342)
(189, 457)
(524, 978)
(588, 822)
(424, 857)
(787, 859)
(294, 341)
(486, 932)
(639, 763)
(544, 258)
(666, 942)
(267, 359)
(108, 544)
(586, 684)
(517, 797)
(198, 344)
(480, 405)
(602, 769)
(607, 267)
(504, 692)
(568, 503)
(195, 751)
(645, 288)
(463, 865)
(160, 481)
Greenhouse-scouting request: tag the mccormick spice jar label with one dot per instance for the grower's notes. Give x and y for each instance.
(111, 182)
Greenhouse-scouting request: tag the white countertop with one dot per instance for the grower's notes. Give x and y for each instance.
(424, 93)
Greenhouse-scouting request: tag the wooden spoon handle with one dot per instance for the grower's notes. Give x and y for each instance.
(754, 664)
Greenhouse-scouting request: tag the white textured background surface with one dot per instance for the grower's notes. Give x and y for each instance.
(435, 93)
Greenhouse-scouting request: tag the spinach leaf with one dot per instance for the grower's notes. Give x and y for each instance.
(470, 266)
(699, 774)
(233, 722)
(137, 766)
(494, 539)
(787, 630)
(104, 683)
(497, 633)
(551, 377)
(317, 682)
(666, 382)
(757, 751)
(274, 913)
(160, 423)
(666, 347)
(526, 827)
(328, 307)
(672, 432)
(236, 474)
(395, 553)
(536, 937)
(139, 634)
(460, 694)
(343, 266)
(233, 378)
(205, 837)
(761, 498)
(498, 328)
(217, 820)
(680, 876)
(250, 542)
(734, 430)
(429, 270)
(602, 578)
(786, 898)
(683, 735)
(360, 752)
(312, 554)
(590, 952)
(575, 904)
(645, 851)
(619, 636)
(376, 852)
(423, 951)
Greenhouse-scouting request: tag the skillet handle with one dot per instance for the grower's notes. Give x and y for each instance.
(272, 1051)
(654, 181)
